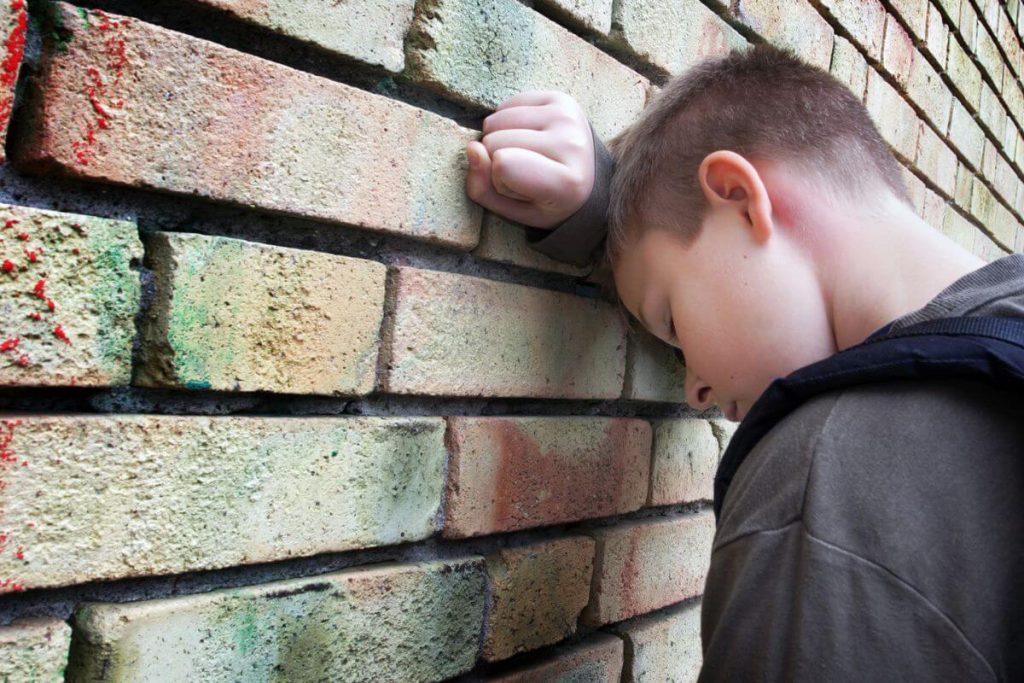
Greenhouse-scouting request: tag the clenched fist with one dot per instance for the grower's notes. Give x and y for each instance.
(535, 162)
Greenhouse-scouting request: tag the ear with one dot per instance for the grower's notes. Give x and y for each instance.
(727, 178)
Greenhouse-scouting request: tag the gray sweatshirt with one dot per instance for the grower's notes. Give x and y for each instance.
(876, 533)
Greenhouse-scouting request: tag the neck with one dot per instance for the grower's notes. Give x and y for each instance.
(889, 265)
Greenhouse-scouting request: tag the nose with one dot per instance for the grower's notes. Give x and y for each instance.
(698, 392)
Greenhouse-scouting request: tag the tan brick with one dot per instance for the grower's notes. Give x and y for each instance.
(665, 646)
(644, 565)
(69, 292)
(196, 118)
(936, 160)
(988, 161)
(963, 72)
(915, 13)
(895, 119)
(653, 370)
(794, 24)
(849, 66)
(968, 24)
(1005, 180)
(966, 135)
(938, 35)
(684, 458)
(958, 229)
(505, 242)
(991, 110)
(236, 315)
(453, 335)
(952, 9)
(105, 497)
(899, 50)
(598, 659)
(14, 24)
(591, 15)
(863, 19)
(934, 209)
(964, 189)
(1015, 100)
(985, 248)
(34, 650)
(536, 594)
(672, 35)
(988, 55)
(926, 89)
(915, 188)
(371, 31)
(989, 212)
(516, 473)
(481, 52)
(408, 622)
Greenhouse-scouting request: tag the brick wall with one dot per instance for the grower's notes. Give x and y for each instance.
(279, 403)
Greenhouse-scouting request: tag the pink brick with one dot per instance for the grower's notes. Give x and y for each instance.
(793, 23)
(865, 21)
(516, 473)
(453, 335)
(899, 51)
(934, 209)
(188, 116)
(644, 565)
(915, 187)
(536, 594)
(683, 462)
(598, 659)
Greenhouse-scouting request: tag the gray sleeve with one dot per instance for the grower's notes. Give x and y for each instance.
(782, 605)
(578, 236)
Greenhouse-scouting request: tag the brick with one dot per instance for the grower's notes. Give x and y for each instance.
(899, 51)
(915, 13)
(453, 335)
(1018, 244)
(966, 135)
(598, 659)
(926, 89)
(371, 31)
(106, 497)
(986, 248)
(988, 54)
(671, 36)
(684, 457)
(895, 119)
(952, 9)
(968, 25)
(936, 160)
(409, 622)
(1015, 100)
(665, 646)
(1019, 203)
(987, 209)
(849, 67)
(964, 182)
(958, 229)
(1005, 180)
(86, 267)
(653, 370)
(481, 52)
(34, 650)
(1010, 42)
(14, 24)
(590, 15)
(644, 565)
(915, 188)
(988, 161)
(200, 119)
(723, 429)
(963, 72)
(934, 209)
(863, 19)
(516, 473)
(794, 24)
(236, 315)
(937, 35)
(536, 594)
(505, 242)
(991, 110)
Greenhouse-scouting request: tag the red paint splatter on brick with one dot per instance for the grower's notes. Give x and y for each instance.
(8, 265)
(58, 332)
(23, 236)
(9, 344)
(10, 223)
(32, 256)
(75, 251)
(49, 303)
(22, 360)
(7, 429)
(35, 315)
(97, 89)
(20, 552)
(14, 48)
(40, 288)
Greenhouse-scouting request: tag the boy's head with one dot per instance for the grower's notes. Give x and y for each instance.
(726, 196)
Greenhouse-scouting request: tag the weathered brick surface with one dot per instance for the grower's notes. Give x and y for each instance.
(965, 134)
(865, 21)
(936, 160)
(410, 622)
(915, 188)
(665, 646)
(993, 215)
(235, 315)
(934, 208)
(683, 463)
(958, 229)
(34, 650)
(653, 370)
(937, 35)
(505, 242)
(965, 75)
(672, 35)
(986, 248)
(111, 496)
(167, 111)
(598, 659)
(967, 25)
(988, 54)
(993, 115)
(514, 473)
(537, 593)
(794, 23)
(371, 31)
(644, 565)
(915, 13)
(14, 25)
(895, 119)
(926, 89)
(481, 52)
(592, 15)
(452, 335)
(849, 67)
(69, 292)
(899, 51)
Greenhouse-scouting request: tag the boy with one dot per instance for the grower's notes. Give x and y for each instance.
(757, 221)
